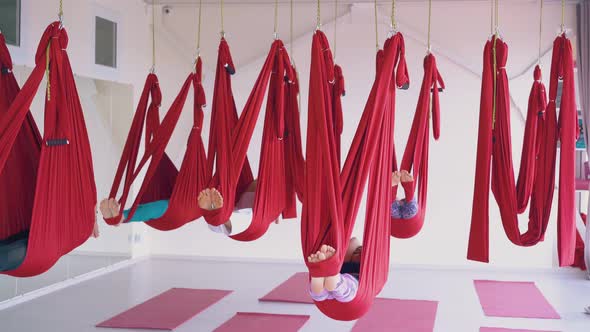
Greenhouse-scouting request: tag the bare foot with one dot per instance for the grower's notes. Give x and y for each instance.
(115, 208)
(331, 282)
(104, 209)
(216, 199)
(205, 199)
(406, 177)
(317, 284)
(395, 178)
(210, 199)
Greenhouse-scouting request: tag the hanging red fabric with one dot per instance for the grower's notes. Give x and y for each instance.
(416, 153)
(22, 159)
(332, 199)
(62, 211)
(162, 180)
(537, 171)
(562, 68)
(230, 137)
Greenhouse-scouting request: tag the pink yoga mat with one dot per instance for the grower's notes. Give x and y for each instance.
(398, 315)
(294, 290)
(166, 311)
(513, 299)
(259, 322)
(496, 329)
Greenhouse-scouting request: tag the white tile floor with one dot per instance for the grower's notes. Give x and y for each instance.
(80, 307)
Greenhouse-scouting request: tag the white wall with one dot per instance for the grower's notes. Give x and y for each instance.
(459, 31)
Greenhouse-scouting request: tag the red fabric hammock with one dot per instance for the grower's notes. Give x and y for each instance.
(416, 153)
(332, 199)
(537, 170)
(162, 180)
(229, 139)
(58, 170)
(22, 158)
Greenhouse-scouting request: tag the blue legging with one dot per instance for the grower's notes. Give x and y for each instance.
(148, 211)
(13, 251)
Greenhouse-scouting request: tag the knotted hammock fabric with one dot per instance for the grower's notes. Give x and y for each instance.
(537, 170)
(162, 180)
(332, 198)
(415, 156)
(60, 215)
(230, 137)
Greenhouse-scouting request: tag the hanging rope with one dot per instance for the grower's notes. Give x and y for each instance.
(291, 32)
(319, 17)
(562, 15)
(222, 27)
(429, 23)
(376, 28)
(335, 27)
(153, 37)
(497, 19)
(199, 29)
(60, 14)
(393, 22)
(540, 32)
(276, 31)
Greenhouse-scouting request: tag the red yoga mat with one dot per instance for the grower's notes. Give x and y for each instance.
(398, 315)
(497, 329)
(166, 311)
(259, 322)
(513, 299)
(294, 290)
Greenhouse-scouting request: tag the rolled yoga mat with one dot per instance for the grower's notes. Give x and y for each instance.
(513, 299)
(261, 322)
(168, 310)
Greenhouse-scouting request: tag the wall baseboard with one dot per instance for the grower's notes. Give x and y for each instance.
(67, 283)
(405, 267)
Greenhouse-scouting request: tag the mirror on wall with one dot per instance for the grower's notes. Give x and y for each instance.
(108, 111)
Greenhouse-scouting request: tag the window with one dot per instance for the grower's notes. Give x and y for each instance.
(105, 43)
(10, 21)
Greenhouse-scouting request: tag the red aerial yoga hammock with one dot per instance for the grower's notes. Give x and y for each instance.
(331, 198)
(162, 180)
(230, 136)
(56, 195)
(416, 153)
(537, 170)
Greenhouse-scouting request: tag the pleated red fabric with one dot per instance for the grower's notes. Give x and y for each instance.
(294, 160)
(415, 156)
(162, 180)
(537, 170)
(332, 198)
(562, 68)
(230, 137)
(23, 158)
(62, 208)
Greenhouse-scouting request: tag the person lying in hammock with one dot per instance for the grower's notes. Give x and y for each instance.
(406, 208)
(343, 286)
(209, 199)
(13, 249)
